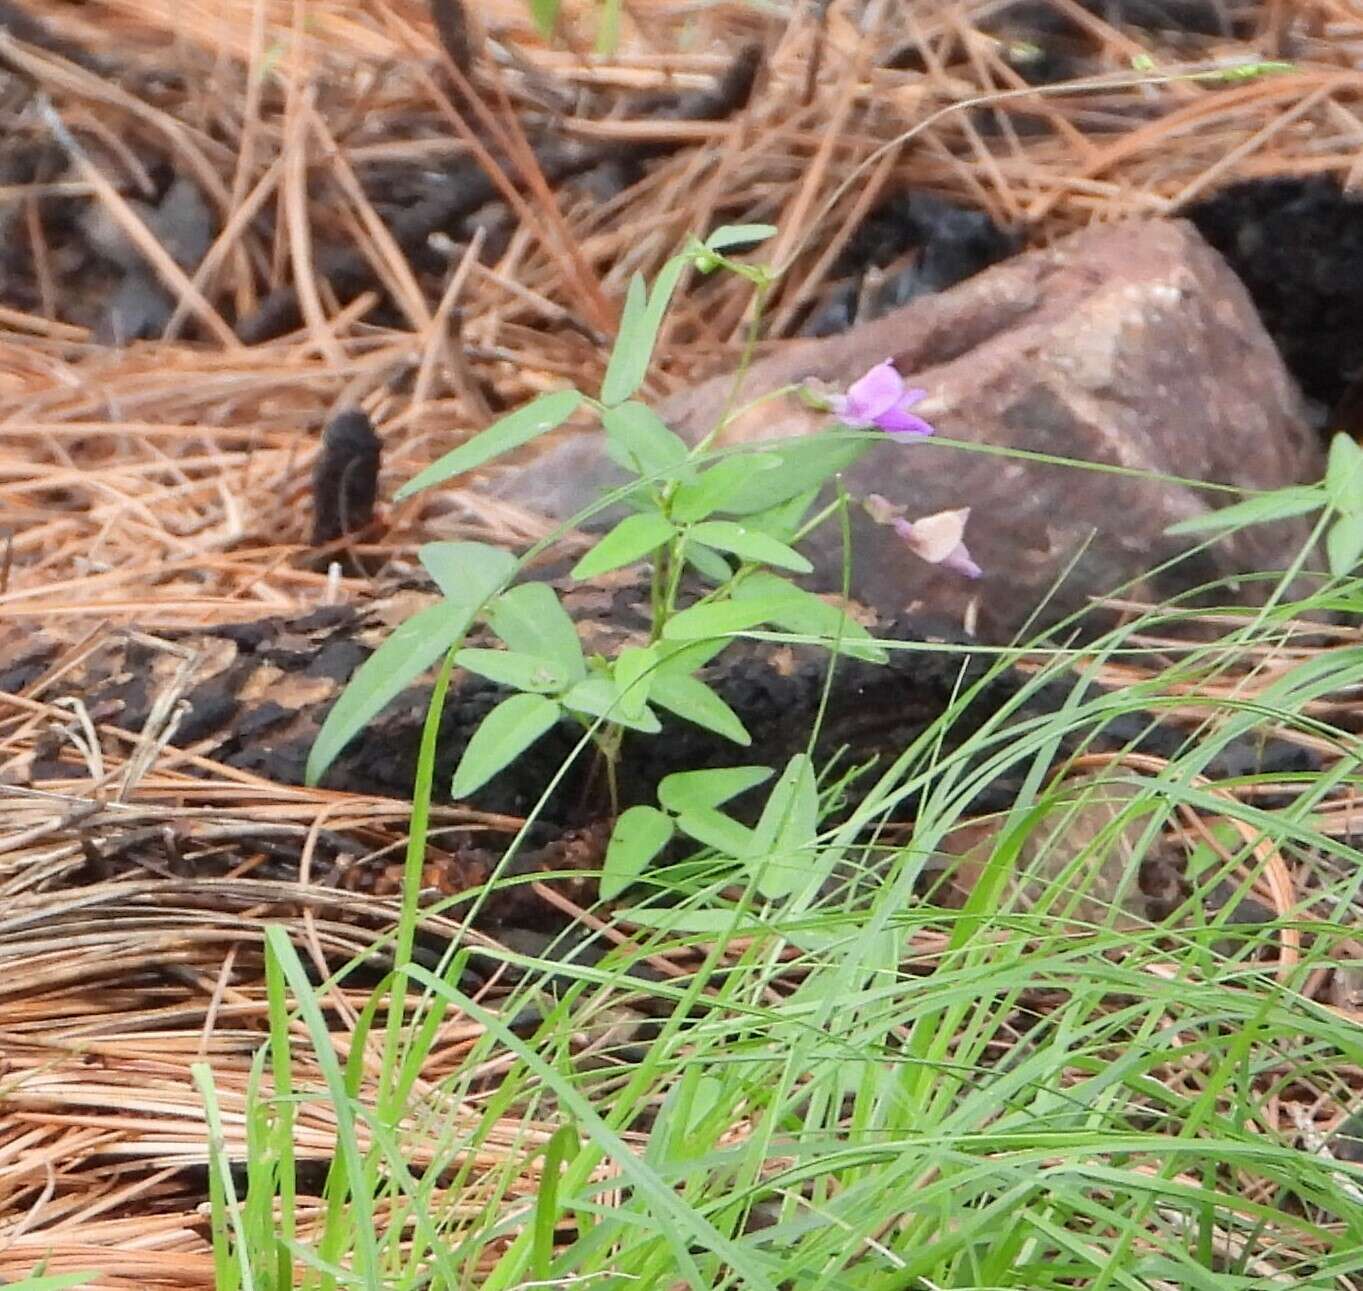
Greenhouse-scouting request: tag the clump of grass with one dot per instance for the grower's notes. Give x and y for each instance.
(868, 1085)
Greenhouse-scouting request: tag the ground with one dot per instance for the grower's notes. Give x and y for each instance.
(163, 484)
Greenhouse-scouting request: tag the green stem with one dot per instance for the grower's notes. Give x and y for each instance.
(389, 1093)
(760, 290)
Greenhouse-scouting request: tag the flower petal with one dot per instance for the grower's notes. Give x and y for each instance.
(935, 537)
(902, 424)
(881, 509)
(959, 562)
(876, 393)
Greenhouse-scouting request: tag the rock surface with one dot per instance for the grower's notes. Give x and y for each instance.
(1131, 346)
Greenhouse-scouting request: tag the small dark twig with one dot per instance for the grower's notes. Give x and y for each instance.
(456, 37)
(345, 481)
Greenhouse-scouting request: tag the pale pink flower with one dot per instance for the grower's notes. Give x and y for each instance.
(937, 539)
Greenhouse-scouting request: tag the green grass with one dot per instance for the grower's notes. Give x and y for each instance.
(863, 1088)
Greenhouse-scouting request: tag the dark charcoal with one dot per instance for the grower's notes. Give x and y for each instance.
(947, 244)
(345, 481)
(1298, 246)
(1044, 45)
(1228, 18)
(142, 306)
(23, 26)
(452, 26)
(259, 705)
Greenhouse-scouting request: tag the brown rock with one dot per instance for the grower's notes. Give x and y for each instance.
(1088, 862)
(1132, 346)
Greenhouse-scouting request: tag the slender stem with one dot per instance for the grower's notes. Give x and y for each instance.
(760, 290)
(657, 600)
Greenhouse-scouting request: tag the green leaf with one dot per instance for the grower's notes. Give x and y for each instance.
(692, 699)
(783, 521)
(732, 235)
(633, 347)
(1281, 504)
(530, 619)
(56, 1281)
(715, 829)
(682, 658)
(563, 1147)
(520, 427)
(704, 1098)
(688, 919)
(1204, 857)
(723, 618)
(696, 790)
(639, 325)
(1344, 544)
(467, 572)
(526, 672)
(800, 611)
(639, 835)
(545, 14)
(748, 544)
(600, 697)
(502, 736)
(806, 463)
(412, 647)
(632, 539)
(1344, 475)
(785, 833)
(608, 27)
(714, 487)
(632, 673)
(638, 440)
(708, 563)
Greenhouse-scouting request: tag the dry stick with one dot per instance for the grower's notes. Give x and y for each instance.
(42, 258)
(514, 144)
(1354, 126)
(1073, 87)
(1194, 114)
(228, 241)
(136, 231)
(17, 320)
(795, 222)
(57, 74)
(299, 230)
(80, 82)
(246, 147)
(402, 282)
(1250, 145)
(437, 340)
(985, 160)
(348, 1015)
(813, 280)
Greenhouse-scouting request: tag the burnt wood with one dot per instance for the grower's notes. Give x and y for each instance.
(260, 691)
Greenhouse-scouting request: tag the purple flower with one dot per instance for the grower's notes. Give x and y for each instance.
(936, 539)
(881, 399)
